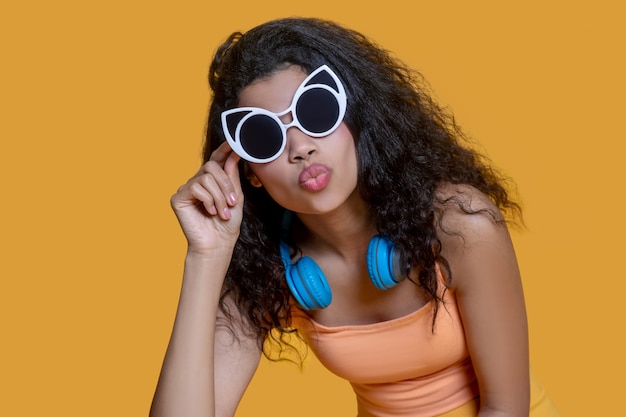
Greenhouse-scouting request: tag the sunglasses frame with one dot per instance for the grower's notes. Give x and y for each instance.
(338, 92)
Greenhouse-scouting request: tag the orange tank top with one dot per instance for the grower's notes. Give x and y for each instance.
(399, 367)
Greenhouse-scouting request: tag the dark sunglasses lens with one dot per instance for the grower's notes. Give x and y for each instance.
(261, 137)
(317, 110)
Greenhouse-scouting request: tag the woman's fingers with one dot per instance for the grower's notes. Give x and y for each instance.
(201, 194)
(221, 179)
(217, 184)
(209, 206)
(231, 168)
(217, 190)
(221, 153)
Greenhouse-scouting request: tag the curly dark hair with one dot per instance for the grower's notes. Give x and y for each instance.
(406, 144)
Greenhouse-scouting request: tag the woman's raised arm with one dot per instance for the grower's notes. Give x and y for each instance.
(207, 366)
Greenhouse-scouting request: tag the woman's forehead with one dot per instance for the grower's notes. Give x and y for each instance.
(274, 92)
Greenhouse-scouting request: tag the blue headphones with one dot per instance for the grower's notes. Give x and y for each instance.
(310, 288)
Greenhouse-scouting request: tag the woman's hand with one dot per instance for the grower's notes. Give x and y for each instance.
(209, 206)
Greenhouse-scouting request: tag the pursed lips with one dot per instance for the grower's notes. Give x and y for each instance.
(315, 177)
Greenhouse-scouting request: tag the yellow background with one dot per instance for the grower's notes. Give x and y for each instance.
(102, 114)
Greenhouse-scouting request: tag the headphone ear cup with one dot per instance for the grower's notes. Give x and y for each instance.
(383, 263)
(308, 284)
(306, 281)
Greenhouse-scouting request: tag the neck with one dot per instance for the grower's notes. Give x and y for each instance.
(345, 231)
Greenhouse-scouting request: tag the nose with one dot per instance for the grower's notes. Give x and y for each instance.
(300, 145)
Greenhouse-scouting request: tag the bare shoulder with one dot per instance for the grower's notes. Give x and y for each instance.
(471, 229)
(462, 207)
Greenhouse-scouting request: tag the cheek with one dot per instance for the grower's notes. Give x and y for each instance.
(270, 176)
(347, 145)
(345, 136)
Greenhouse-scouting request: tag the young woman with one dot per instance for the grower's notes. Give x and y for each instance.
(339, 203)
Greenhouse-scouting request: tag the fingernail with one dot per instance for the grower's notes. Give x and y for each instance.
(226, 213)
(232, 197)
